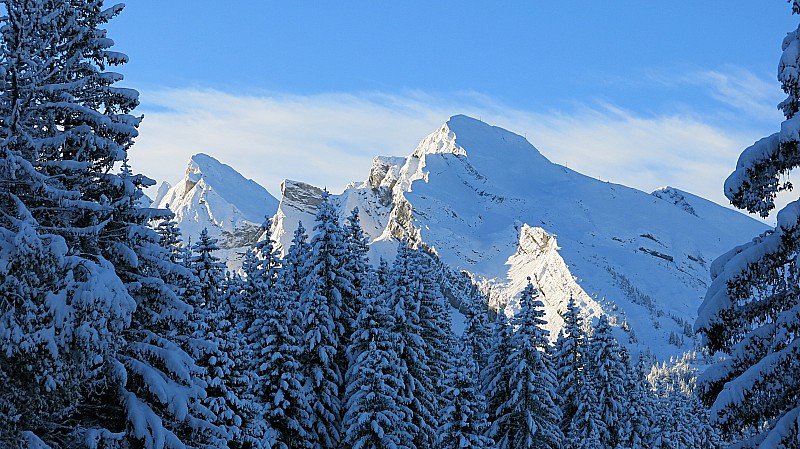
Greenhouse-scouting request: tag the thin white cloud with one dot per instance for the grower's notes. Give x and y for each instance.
(744, 91)
(325, 139)
(329, 140)
(643, 152)
(740, 94)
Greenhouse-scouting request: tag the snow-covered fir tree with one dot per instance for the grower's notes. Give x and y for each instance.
(161, 381)
(530, 416)
(295, 262)
(254, 430)
(436, 325)
(321, 310)
(463, 422)
(377, 413)
(245, 421)
(218, 345)
(568, 357)
(62, 115)
(61, 313)
(750, 312)
(63, 127)
(60, 321)
(263, 273)
(405, 299)
(272, 335)
(495, 380)
(384, 273)
(357, 264)
(606, 373)
(587, 425)
(636, 427)
(209, 341)
(208, 268)
(170, 237)
(478, 330)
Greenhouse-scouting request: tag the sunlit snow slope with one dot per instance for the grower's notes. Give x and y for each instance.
(489, 203)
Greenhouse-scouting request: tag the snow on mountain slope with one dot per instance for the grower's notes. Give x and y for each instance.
(489, 203)
(215, 196)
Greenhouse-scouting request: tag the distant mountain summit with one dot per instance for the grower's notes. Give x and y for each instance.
(215, 196)
(488, 203)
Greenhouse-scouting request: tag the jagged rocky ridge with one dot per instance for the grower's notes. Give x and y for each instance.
(496, 211)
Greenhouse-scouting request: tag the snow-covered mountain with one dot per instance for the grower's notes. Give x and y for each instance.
(215, 196)
(490, 204)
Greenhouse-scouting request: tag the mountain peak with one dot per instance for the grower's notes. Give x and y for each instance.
(483, 144)
(202, 165)
(162, 191)
(202, 159)
(213, 195)
(473, 132)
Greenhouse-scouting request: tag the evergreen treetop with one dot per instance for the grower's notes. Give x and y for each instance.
(531, 414)
(750, 312)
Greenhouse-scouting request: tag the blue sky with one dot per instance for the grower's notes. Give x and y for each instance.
(626, 91)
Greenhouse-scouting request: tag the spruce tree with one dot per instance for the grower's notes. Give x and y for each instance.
(478, 331)
(64, 123)
(263, 271)
(60, 321)
(247, 427)
(272, 334)
(406, 294)
(62, 313)
(568, 355)
(587, 426)
(357, 264)
(295, 263)
(679, 419)
(377, 414)
(216, 342)
(463, 423)
(636, 428)
(436, 325)
(671, 421)
(531, 415)
(209, 341)
(321, 310)
(208, 268)
(160, 379)
(63, 128)
(750, 312)
(170, 238)
(383, 275)
(253, 431)
(606, 374)
(496, 381)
